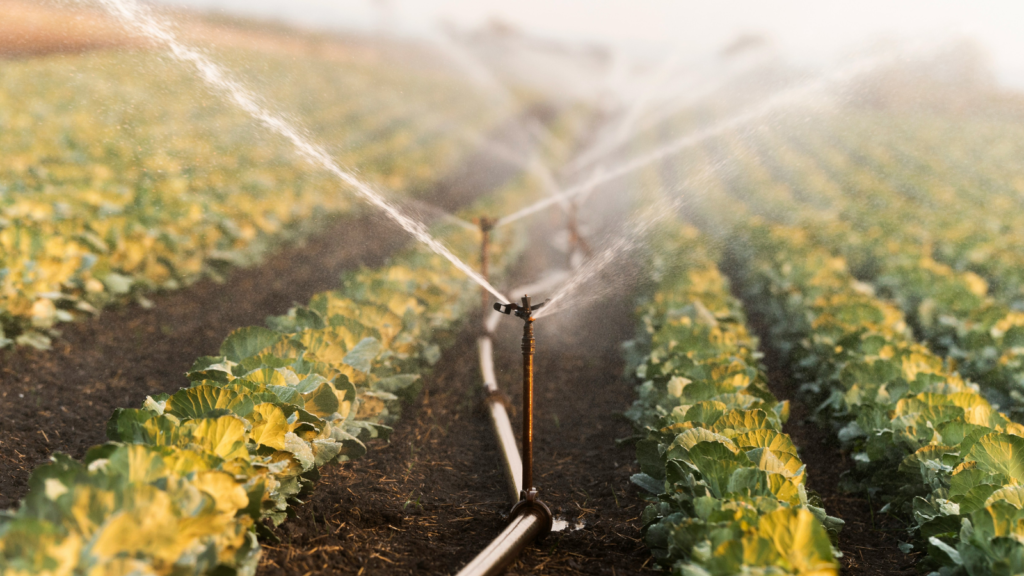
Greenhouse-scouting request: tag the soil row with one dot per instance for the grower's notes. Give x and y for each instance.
(868, 541)
(429, 501)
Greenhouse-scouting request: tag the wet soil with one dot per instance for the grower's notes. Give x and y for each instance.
(60, 400)
(429, 501)
(869, 541)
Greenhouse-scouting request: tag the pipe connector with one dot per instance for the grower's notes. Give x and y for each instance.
(528, 501)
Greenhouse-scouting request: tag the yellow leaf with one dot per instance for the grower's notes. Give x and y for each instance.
(269, 426)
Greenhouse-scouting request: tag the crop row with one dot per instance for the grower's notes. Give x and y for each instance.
(917, 219)
(950, 309)
(119, 174)
(960, 177)
(897, 405)
(189, 480)
(728, 486)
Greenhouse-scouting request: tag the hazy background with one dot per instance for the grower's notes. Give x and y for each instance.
(805, 32)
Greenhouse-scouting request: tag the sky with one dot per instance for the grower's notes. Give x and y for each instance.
(811, 32)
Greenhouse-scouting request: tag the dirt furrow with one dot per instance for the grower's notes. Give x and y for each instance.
(868, 541)
(60, 400)
(435, 496)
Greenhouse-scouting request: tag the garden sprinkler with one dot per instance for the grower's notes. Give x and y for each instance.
(528, 494)
(486, 225)
(576, 242)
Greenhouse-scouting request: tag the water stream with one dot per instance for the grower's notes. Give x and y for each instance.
(138, 18)
(807, 91)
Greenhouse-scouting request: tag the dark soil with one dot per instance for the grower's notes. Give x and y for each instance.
(869, 542)
(60, 400)
(435, 496)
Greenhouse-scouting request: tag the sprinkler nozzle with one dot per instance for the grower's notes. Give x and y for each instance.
(518, 310)
(486, 223)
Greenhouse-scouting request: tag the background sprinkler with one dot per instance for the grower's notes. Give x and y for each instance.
(486, 225)
(528, 495)
(576, 242)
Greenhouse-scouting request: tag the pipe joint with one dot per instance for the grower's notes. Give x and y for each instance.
(529, 502)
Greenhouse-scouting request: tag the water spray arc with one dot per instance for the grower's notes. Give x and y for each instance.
(803, 92)
(138, 18)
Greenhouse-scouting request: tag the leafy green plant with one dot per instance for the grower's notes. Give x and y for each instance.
(188, 481)
(116, 180)
(727, 484)
(893, 402)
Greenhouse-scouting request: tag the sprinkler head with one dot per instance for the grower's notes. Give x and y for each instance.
(519, 311)
(486, 223)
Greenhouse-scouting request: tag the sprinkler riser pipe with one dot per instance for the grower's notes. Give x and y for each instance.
(529, 345)
(486, 225)
(576, 242)
(484, 267)
(528, 496)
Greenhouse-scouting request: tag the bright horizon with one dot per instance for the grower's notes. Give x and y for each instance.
(804, 32)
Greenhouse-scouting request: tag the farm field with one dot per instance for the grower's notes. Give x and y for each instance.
(247, 271)
(119, 182)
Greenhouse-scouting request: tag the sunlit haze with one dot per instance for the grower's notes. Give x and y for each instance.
(804, 30)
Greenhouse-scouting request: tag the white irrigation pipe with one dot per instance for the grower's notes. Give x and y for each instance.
(523, 530)
(511, 460)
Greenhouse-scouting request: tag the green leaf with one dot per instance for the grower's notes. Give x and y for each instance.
(799, 537)
(396, 383)
(321, 402)
(956, 431)
(300, 449)
(716, 463)
(287, 395)
(774, 440)
(947, 549)
(361, 356)
(365, 431)
(1011, 494)
(970, 488)
(223, 436)
(648, 456)
(689, 438)
(1000, 454)
(210, 363)
(117, 283)
(197, 401)
(705, 412)
(747, 482)
(126, 425)
(648, 483)
(351, 447)
(310, 383)
(249, 341)
(324, 451)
